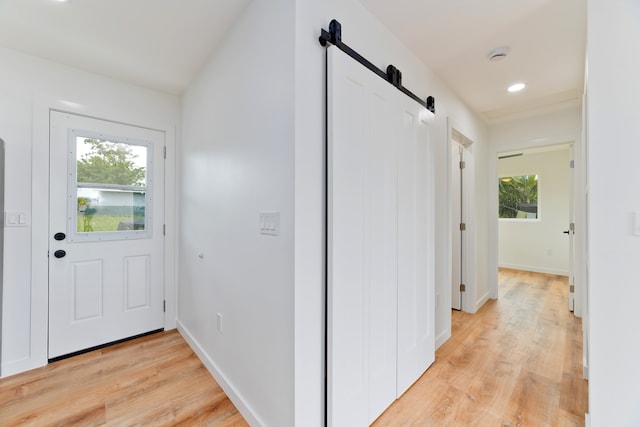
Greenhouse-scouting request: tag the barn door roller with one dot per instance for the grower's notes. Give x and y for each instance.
(392, 74)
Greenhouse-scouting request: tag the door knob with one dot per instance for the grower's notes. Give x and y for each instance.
(566, 232)
(59, 236)
(59, 253)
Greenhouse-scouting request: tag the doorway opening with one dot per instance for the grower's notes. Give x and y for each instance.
(106, 216)
(536, 211)
(462, 221)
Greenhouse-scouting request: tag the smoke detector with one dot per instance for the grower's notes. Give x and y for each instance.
(498, 53)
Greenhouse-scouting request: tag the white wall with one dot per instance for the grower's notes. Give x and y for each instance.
(2, 168)
(237, 160)
(613, 108)
(558, 127)
(365, 34)
(538, 244)
(28, 88)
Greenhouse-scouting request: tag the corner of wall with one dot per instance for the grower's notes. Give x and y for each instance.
(442, 338)
(232, 393)
(1, 243)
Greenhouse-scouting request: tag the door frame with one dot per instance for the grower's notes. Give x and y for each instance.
(468, 269)
(580, 229)
(39, 310)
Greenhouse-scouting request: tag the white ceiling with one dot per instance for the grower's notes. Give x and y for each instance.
(547, 40)
(161, 44)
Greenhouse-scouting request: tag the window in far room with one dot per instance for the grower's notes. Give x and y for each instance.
(518, 197)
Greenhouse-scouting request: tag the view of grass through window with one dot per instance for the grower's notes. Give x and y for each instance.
(518, 197)
(111, 179)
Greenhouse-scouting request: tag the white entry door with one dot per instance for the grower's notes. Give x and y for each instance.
(106, 235)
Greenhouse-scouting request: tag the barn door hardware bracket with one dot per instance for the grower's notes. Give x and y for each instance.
(392, 74)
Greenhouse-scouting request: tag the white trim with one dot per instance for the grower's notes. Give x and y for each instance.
(585, 371)
(171, 223)
(469, 214)
(535, 269)
(232, 393)
(480, 301)
(39, 310)
(523, 220)
(39, 237)
(73, 235)
(442, 338)
(493, 153)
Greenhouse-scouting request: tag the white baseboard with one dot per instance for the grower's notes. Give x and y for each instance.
(535, 269)
(483, 299)
(587, 420)
(236, 398)
(585, 372)
(442, 338)
(18, 366)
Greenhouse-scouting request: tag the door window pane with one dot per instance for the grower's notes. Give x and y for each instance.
(109, 183)
(108, 209)
(107, 162)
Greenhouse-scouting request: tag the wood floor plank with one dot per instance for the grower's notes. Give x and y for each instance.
(516, 362)
(155, 380)
(535, 401)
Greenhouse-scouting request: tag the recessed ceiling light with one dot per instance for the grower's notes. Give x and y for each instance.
(517, 87)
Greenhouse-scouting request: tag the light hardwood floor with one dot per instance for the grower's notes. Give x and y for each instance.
(155, 380)
(517, 362)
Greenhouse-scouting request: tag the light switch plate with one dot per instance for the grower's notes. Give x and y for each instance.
(270, 223)
(16, 219)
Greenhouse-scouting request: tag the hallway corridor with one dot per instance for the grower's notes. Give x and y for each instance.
(516, 362)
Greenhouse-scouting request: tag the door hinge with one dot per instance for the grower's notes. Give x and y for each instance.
(463, 226)
(572, 288)
(164, 229)
(572, 227)
(572, 164)
(463, 164)
(463, 287)
(165, 151)
(164, 306)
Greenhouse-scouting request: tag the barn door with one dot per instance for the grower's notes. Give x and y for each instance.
(106, 239)
(380, 233)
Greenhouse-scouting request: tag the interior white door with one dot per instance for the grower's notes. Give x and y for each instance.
(462, 237)
(380, 274)
(416, 250)
(106, 234)
(456, 233)
(571, 230)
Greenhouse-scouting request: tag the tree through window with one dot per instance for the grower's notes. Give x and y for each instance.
(111, 163)
(518, 197)
(111, 185)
